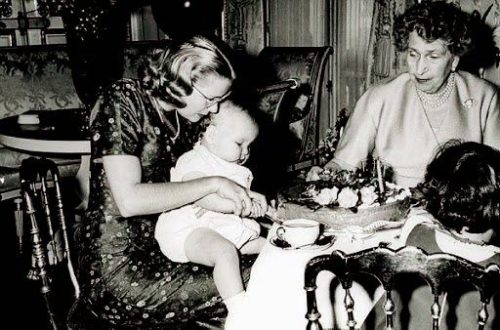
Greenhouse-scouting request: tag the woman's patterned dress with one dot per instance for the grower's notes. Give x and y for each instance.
(125, 278)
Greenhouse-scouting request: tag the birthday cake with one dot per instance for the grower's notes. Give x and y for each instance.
(342, 198)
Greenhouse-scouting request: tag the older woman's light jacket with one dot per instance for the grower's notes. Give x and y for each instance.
(389, 122)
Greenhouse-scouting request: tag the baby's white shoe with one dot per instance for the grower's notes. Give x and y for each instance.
(234, 306)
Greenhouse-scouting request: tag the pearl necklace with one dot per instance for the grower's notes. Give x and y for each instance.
(165, 121)
(433, 101)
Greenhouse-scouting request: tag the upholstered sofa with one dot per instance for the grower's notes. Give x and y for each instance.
(40, 78)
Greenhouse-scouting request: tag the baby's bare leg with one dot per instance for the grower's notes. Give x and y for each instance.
(207, 247)
(253, 246)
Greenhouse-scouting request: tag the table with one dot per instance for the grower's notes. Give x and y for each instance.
(59, 132)
(275, 296)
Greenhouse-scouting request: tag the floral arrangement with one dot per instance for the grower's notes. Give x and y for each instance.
(329, 143)
(364, 188)
(353, 190)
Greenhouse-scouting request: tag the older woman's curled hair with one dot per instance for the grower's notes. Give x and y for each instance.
(433, 21)
(462, 186)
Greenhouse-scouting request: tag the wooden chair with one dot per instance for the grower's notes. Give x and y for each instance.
(440, 271)
(10, 188)
(300, 107)
(43, 201)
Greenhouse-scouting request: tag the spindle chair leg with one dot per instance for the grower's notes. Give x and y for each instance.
(64, 230)
(389, 308)
(19, 219)
(48, 220)
(349, 307)
(312, 310)
(39, 256)
(436, 312)
(482, 315)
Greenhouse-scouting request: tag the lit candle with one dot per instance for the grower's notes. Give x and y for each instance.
(379, 177)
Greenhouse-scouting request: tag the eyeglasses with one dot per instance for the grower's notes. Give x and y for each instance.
(210, 101)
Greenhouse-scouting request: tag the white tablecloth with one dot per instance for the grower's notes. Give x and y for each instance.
(275, 296)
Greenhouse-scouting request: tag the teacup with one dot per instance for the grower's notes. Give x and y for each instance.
(298, 232)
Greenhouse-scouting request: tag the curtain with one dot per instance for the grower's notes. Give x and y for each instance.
(489, 11)
(352, 33)
(297, 23)
(384, 61)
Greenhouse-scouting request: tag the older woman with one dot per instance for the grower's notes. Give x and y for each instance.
(404, 120)
(139, 128)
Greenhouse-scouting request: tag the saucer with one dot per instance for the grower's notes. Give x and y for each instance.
(367, 231)
(323, 242)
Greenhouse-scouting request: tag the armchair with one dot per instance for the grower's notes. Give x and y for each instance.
(298, 108)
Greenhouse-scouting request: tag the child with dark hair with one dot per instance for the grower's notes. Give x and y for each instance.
(462, 203)
(461, 216)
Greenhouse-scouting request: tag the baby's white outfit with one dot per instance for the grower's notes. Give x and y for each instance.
(173, 227)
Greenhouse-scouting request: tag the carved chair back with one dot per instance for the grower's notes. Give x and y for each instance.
(440, 271)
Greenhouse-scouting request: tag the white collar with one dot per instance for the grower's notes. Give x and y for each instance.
(470, 251)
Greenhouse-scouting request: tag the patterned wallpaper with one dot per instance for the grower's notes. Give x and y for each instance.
(39, 78)
(35, 78)
(385, 61)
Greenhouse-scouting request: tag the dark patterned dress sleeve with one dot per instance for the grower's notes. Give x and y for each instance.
(116, 126)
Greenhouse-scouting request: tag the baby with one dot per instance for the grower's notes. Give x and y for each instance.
(206, 232)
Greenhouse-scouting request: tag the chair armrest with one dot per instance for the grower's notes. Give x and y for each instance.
(291, 83)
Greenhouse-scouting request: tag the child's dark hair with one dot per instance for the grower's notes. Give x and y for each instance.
(462, 186)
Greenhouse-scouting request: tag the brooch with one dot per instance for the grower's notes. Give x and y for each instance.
(468, 103)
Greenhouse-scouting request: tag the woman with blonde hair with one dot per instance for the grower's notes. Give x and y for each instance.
(138, 129)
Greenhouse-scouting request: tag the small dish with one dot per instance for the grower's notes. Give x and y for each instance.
(323, 242)
(28, 119)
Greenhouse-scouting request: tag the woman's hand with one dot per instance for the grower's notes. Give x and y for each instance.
(259, 204)
(237, 194)
(313, 173)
